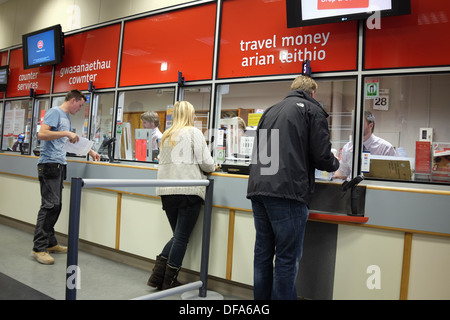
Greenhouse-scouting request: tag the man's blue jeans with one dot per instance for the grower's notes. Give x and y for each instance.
(280, 229)
(51, 178)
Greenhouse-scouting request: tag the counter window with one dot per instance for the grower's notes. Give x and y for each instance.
(200, 98)
(17, 126)
(411, 114)
(102, 123)
(40, 107)
(142, 117)
(240, 107)
(1, 117)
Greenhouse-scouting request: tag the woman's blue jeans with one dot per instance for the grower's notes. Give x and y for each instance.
(182, 221)
(280, 229)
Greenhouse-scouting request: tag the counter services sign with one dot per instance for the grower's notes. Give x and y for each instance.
(21, 81)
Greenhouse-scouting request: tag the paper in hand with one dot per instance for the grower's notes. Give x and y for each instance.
(82, 146)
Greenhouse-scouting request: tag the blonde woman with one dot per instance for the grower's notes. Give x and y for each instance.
(183, 155)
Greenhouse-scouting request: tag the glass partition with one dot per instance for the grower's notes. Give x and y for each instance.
(200, 98)
(411, 113)
(1, 118)
(241, 105)
(102, 123)
(17, 126)
(136, 140)
(40, 107)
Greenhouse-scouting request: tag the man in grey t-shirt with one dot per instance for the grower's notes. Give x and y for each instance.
(55, 131)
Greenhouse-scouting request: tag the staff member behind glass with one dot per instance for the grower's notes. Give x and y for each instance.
(280, 197)
(55, 131)
(375, 145)
(150, 120)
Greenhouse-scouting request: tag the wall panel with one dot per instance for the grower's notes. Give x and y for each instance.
(357, 250)
(430, 265)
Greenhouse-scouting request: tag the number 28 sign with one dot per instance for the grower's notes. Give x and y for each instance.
(382, 101)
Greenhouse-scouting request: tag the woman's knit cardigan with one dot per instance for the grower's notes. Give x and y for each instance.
(188, 159)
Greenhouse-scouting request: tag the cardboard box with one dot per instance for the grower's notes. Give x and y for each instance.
(389, 169)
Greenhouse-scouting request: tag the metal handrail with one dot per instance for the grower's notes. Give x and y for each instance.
(74, 228)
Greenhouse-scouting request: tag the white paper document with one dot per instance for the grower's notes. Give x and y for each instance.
(82, 146)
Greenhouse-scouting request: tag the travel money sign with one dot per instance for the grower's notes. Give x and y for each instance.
(268, 47)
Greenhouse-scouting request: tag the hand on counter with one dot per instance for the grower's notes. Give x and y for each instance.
(95, 156)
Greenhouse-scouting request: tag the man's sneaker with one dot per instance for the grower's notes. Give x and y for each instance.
(57, 249)
(43, 257)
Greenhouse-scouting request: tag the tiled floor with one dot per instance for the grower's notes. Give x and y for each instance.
(101, 279)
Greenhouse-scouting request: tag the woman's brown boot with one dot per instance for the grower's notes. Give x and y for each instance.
(157, 277)
(170, 277)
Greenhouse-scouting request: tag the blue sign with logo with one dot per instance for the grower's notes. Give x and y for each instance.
(41, 47)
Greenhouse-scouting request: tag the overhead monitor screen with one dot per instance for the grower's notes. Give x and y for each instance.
(312, 12)
(41, 48)
(3, 76)
(314, 9)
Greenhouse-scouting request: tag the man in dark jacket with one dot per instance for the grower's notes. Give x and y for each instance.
(292, 140)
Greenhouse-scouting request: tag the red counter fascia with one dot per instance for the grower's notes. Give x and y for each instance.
(255, 41)
(157, 47)
(337, 218)
(419, 39)
(90, 56)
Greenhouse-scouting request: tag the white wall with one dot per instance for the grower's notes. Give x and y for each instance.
(18, 17)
